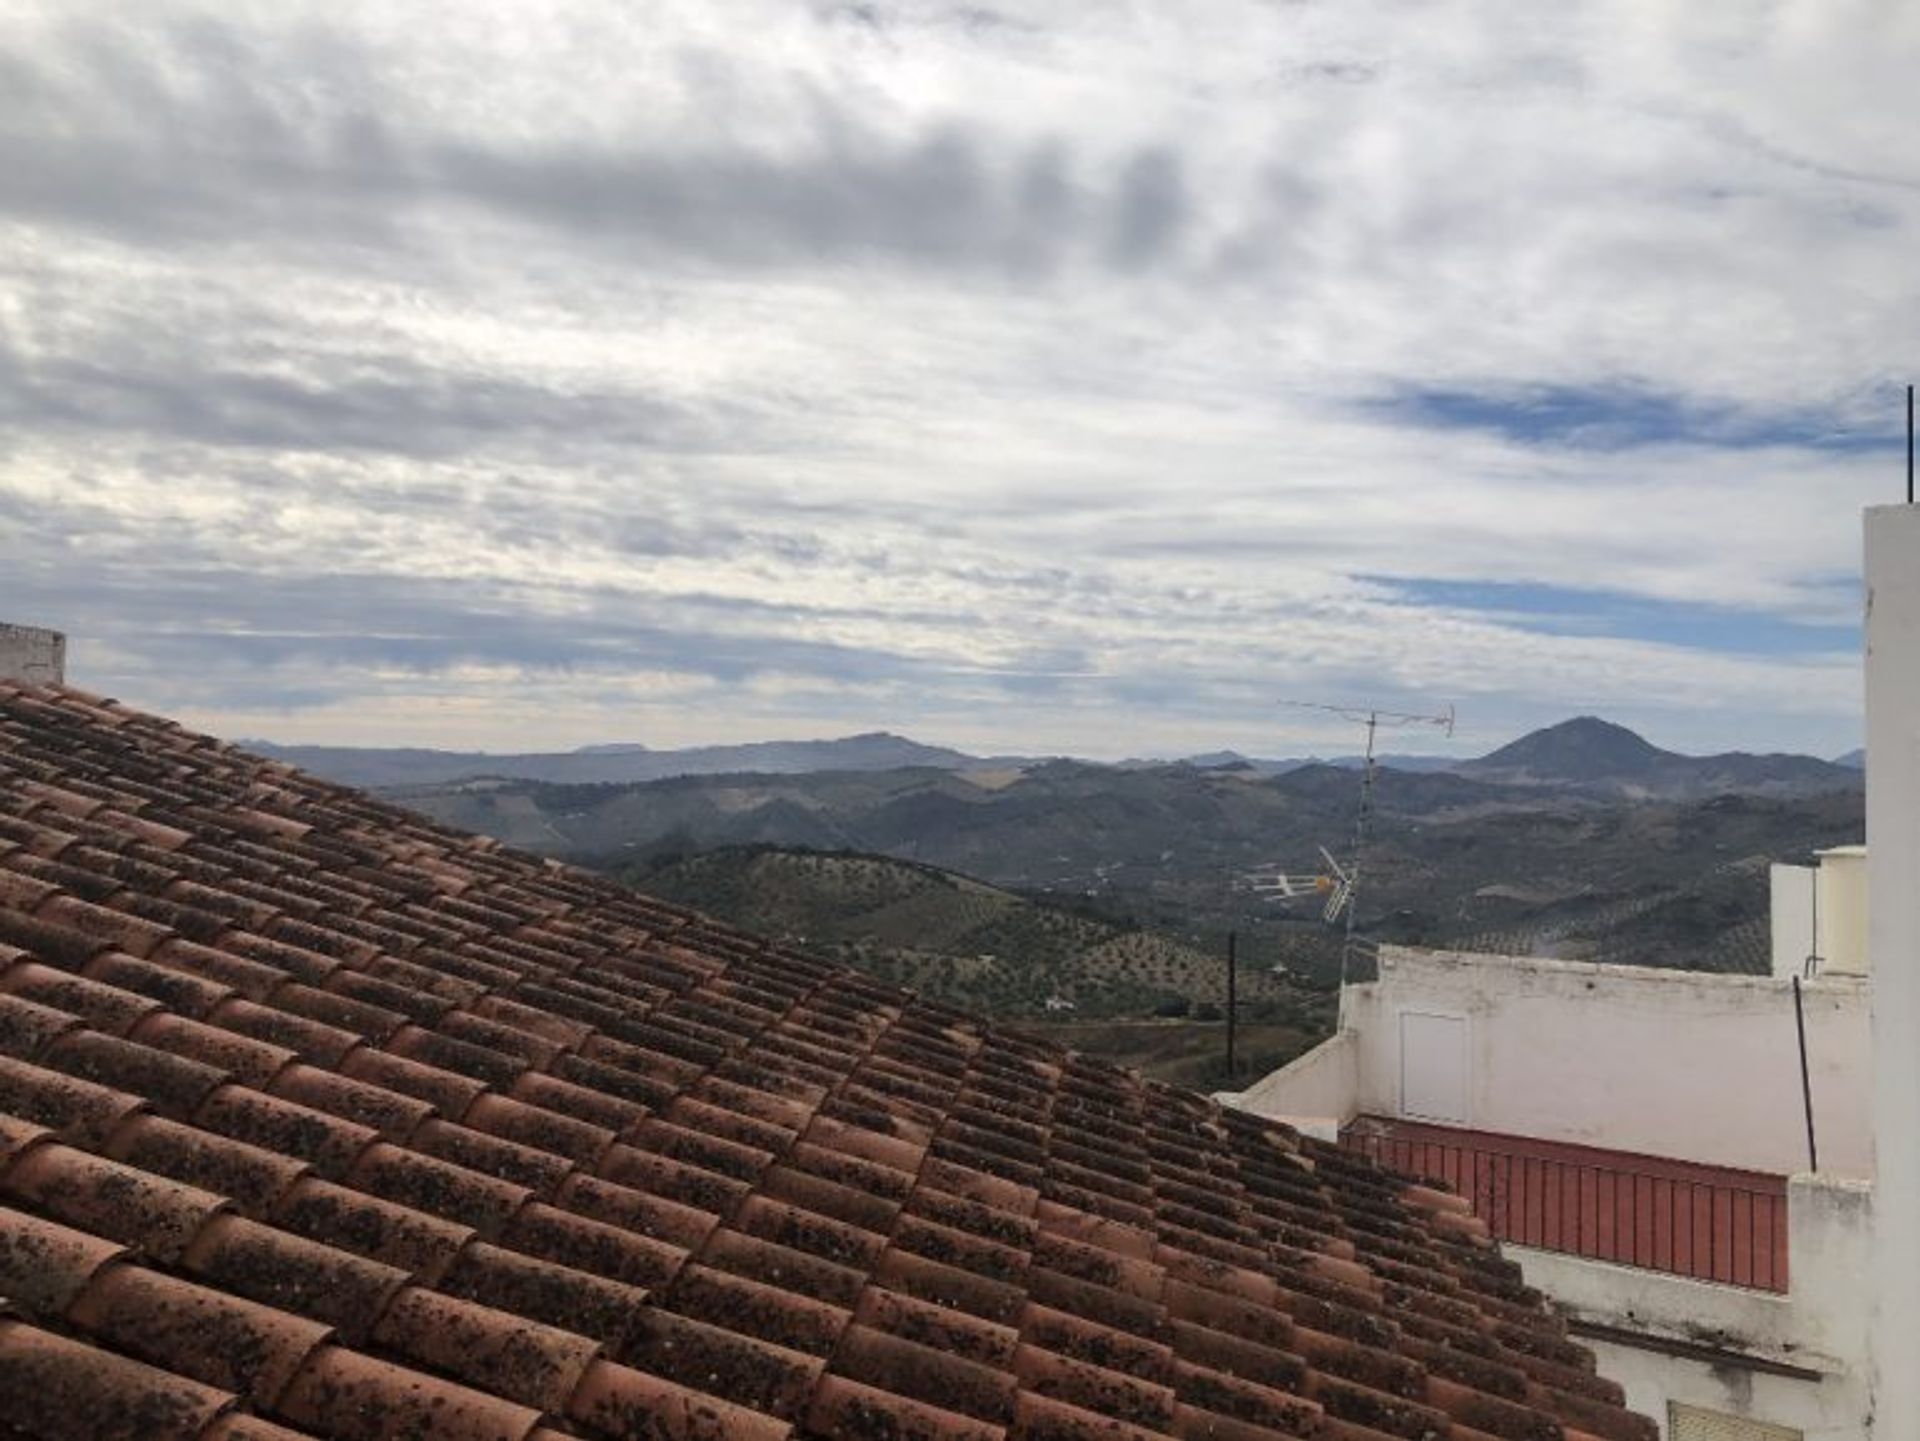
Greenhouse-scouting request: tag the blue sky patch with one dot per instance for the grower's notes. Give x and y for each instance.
(1558, 610)
(1621, 417)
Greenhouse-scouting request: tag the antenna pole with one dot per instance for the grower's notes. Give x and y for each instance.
(1909, 445)
(1359, 846)
(1372, 717)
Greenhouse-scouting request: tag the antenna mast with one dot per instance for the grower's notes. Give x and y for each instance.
(1373, 718)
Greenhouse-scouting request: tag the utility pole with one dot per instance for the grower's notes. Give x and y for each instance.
(1233, 972)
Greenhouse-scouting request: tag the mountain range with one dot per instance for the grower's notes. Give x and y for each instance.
(617, 764)
(1578, 840)
(1584, 754)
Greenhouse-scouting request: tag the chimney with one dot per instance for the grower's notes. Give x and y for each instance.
(1893, 938)
(33, 656)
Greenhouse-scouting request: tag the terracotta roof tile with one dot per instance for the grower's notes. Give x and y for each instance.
(428, 1138)
(880, 1181)
(80, 1111)
(594, 1306)
(252, 1177)
(193, 1330)
(392, 996)
(315, 1041)
(28, 1027)
(308, 967)
(618, 1400)
(438, 1188)
(353, 1397)
(944, 1285)
(252, 1063)
(761, 1310)
(528, 1166)
(236, 1426)
(857, 1412)
(593, 1246)
(578, 1141)
(855, 1206)
(394, 1115)
(646, 1214)
(725, 1363)
(524, 1361)
(364, 1020)
(105, 927)
(783, 1266)
(328, 1143)
(175, 1085)
(110, 1199)
(419, 1244)
(580, 1103)
(43, 1266)
(447, 1092)
(292, 1274)
(450, 1053)
(809, 1231)
(16, 1136)
(925, 1373)
(60, 1389)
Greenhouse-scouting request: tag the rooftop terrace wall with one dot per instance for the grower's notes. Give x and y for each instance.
(1666, 1063)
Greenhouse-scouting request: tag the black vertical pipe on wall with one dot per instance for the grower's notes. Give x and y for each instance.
(1806, 1082)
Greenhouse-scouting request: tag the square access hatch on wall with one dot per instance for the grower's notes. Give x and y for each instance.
(1435, 1067)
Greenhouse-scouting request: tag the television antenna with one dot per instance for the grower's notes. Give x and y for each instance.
(1333, 883)
(1373, 718)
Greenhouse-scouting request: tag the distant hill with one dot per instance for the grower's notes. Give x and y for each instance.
(947, 935)
(1276, 766)
(614, 764)
(1855, 760)
(1598, 756)
(1583, 749)
(1589, 867)
(1135, 996)
(1064, 825)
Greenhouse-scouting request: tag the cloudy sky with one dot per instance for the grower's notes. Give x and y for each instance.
(1078, 376)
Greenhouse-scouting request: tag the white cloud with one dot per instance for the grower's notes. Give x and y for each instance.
(1046, 377)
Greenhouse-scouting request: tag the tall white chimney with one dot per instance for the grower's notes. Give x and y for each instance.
(1893, 937)
(32, 655)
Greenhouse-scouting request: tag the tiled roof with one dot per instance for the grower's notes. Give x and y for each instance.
(319, 1120)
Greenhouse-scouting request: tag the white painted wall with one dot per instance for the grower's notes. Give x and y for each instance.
(1790, 908)
(1820, 911)
(1670, 1063)
(1893, 860)
(1316, 1092)
(30, 654)
(1843, 910)
(1822, 1326)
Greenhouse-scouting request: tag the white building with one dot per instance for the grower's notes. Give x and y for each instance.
(1645, 1141)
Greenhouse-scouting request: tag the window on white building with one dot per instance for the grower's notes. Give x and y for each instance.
(1695, 1423)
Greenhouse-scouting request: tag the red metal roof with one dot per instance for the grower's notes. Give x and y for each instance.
(1711, 1223)
(317, 1119)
